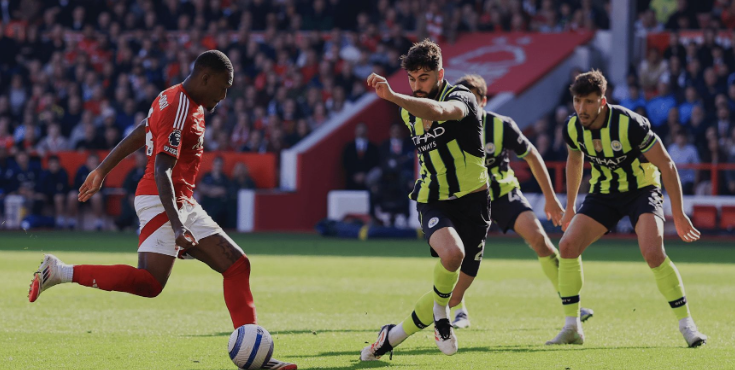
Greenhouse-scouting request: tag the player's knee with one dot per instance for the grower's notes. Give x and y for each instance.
(453, 258)
(654, 256)
(568, 248)
(539, 242)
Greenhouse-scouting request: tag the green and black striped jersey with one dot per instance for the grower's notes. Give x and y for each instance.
(501, 136)
(451, 153)
(615, 151)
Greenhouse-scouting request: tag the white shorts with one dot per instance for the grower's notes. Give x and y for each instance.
(156, 234)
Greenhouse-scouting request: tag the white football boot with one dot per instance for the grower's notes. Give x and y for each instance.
(381, 346)
(568, 335)
(444, 337)
(692, 335)
(585, 314)
(48, 275)
(461, 320)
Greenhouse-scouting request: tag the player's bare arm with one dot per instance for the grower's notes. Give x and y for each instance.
(426, 109)
(553, 208)
(162, 172)
(575, 163)
(128, 145)
(660, 158)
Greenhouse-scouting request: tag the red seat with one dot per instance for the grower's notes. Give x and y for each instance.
(705, 217)
(727, 219)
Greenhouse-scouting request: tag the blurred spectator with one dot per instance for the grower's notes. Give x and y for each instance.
(52, 188)
(214, 192)
(634, 98)
(128, 217)
(714, 154)
(691, 99)
(651, 70)
(682, 152)
(22, 177)
(358, 158)
(658, 107)
(96, 202)
(53, 142)
(302, 130)
(393, 177)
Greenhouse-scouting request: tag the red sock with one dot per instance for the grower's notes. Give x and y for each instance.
(238, 297)
(119, 278)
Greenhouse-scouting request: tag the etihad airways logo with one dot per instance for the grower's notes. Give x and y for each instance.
(612, 163)
(427, 141)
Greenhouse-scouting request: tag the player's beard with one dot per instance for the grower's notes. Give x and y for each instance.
(430, 95)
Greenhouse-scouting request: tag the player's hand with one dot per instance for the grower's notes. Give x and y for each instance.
(184, 238)
(567, 218)
(687, 232)
(382, 88)
(91, 185)
(554, 211)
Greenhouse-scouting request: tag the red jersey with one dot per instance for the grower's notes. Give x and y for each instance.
(175, 127)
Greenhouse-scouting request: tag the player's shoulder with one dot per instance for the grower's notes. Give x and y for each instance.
(618, 112)
(493, 116)
(572, 119)
(172, 97)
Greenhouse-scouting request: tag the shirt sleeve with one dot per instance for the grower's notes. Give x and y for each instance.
(640, 134)
(514, 138)
(465, 97)
(169, 124)
(572, 144)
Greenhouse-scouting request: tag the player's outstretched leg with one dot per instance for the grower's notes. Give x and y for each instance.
(529, 228)
(650, 239)
(390, 336)
(120, 278)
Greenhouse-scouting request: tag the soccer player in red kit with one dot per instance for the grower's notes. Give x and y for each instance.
(172, 223)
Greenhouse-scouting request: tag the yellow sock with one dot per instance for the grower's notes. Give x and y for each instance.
(571, 280)
(550, 266)
(670, 285)
(422, 315)
(444, 282)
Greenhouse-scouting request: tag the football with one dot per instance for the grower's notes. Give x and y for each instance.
(250, 346)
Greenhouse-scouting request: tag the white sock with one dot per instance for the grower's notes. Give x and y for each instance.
(686, 322)
(397, 335)
(66, 272)
(572, 321)
(440, 312)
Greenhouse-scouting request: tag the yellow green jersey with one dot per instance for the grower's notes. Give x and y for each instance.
(501, 136)
(451, 153)
(615, 151)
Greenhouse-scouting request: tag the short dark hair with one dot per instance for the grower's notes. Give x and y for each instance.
(588, 83)
(53, 157)
(424, 55)
(474, 83)
(214, 60)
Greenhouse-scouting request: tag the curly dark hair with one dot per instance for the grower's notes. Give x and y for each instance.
(425, 55)
(588, 83)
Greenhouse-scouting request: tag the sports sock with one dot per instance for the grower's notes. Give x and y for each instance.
(238, 298)
(421, 317)
(670, 285)
(397, 335)
(550, 266)
(571, 280)
(460, 305)
(444, 282)
(119, 278)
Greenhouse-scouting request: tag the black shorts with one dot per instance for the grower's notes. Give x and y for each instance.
(608, 209)
(469, 216)
(507, 208)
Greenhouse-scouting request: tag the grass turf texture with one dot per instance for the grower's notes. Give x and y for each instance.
(323, 299)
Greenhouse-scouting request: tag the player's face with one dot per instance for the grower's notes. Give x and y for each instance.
(588, 107)
(425, 83)
(481, 100)
(216, 86)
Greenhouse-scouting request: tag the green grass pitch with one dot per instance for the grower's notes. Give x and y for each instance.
(323, 299)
